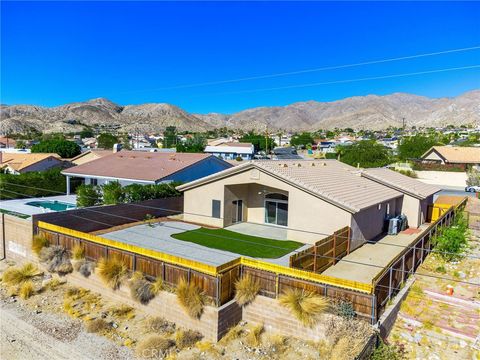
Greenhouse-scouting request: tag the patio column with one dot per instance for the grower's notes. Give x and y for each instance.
(68, 185)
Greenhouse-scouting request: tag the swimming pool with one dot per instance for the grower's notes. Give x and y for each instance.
(52, 205)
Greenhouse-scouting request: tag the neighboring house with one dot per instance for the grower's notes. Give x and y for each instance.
(137, 167)
(19, 163)
(231, 150)
(453, 155)
(286, 153)
(326, 146)
(89, 155)
(310, 198)
(417, 196)
(7, 143)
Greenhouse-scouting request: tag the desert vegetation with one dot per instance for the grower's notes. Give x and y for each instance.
(246, 289)
(304, 305)
(112, 271)
(190, 298)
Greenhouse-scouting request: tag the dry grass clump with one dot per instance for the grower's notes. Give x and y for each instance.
(38, 243)
(141, 289)
(277, 344)
(186, 338)
(78, 252)
(57, 259)
(234, 333)
(346, 348)
(16, 276)
(96, 326)
(122, 311)
(304, 305)
(190, 298)
(86, 267)
(159, 324)
(253, 336)
(356, 331)
(54, 284)
(112, 271)
(158, 285)
(26, 289)
(246, 289)
(154, 346)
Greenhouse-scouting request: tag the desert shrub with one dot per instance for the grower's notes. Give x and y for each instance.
(234, 333)
(277, 343)
(452, 241)
(253, 337)
(246, 289)
(159, 324)
(186, 338)
(84, 267)
(26, 289)
(345, 309)
(154, 346)
(38, 243)
(54, 284)
(158, 286)
(17, 276)
(304, 305)
(388, 352)
(57, 259)
(346, 348)
(78, 252)
(112, 271)
(96, 326)
(122, 311)
(190, 298)
(141, 290)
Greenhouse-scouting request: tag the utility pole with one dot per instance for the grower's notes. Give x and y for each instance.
(403, 123)
(266, 140)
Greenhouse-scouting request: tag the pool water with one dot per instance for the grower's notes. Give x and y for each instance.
(52, 205)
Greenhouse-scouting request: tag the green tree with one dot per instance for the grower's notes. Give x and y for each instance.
(260, 142)
(192, 145)
(414, 147)
(107, 140)
(112, 193)
(367, 153)
(64, 148)
(88, 195)
(303, 139)
(86, 133)
(20, 144)
(170, 137)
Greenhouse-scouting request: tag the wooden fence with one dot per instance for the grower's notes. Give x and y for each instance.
(389, 282)
(323, 253)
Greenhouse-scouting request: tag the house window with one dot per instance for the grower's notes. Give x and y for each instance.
(276, 209)
(94, 182)
(216, 208)
(379, 206)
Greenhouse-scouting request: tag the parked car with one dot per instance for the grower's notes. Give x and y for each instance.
(473, 188)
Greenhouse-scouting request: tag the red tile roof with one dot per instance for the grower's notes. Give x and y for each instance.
(137, 165)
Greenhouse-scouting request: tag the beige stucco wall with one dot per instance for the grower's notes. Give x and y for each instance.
(411, 208)
(306, 213)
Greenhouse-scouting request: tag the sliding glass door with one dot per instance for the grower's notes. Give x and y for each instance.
(276, 209)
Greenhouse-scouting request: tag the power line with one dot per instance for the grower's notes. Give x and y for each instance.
(305, 71)
(231, 238)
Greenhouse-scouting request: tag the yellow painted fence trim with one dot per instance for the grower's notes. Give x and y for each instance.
(210, 269)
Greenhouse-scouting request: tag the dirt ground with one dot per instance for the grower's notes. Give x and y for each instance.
(51, 325)
(435, 325)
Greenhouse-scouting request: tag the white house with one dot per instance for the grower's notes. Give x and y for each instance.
(231, 150)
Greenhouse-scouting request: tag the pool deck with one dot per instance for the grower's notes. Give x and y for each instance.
(366, 262)
(20, 205)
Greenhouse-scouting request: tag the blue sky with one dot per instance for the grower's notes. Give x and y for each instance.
(54, 52)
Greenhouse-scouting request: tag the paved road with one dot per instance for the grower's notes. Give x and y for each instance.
(455, 192)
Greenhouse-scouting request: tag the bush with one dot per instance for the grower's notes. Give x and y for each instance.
(187, 338)
(246, 289)
(304, 305)
(26, 289)
(38, 243)
(409, 173)
(112, 271)
(345, 309)
(388, 352)
(96, 326)
(17, 276)
(62, 147)
(190, 298)
(112, 193)
(78, 252)
(452, 241)
(57, 259)
(87, 195)
(84, 267)
(158, 285)
(158, 324)
(154, 346)
(141, 290)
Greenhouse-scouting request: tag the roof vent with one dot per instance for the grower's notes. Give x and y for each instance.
(312, 164)
(299, 165)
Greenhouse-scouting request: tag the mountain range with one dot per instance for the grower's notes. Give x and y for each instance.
(360, 112)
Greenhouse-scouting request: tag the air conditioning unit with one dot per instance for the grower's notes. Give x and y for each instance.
(403, 222)
(393, 226)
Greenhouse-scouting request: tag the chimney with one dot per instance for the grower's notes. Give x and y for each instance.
(117, 148)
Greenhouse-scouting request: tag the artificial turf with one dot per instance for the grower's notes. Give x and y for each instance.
(242, 244)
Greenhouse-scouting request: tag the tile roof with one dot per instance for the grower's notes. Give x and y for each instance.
(95, 154)
(21, 161)
(137, 165)
(457, 154)
(402, 183)
(235, 144)
(330, 180)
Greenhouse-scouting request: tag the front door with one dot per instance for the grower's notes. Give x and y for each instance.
(237, 211)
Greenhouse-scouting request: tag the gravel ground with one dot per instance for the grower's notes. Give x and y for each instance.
(27, 334)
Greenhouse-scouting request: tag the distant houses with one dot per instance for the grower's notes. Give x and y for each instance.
(19, 163)
(231, 150)
(137, 167)
(462, 156)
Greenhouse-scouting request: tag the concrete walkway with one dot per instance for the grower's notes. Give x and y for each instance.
(366, 262)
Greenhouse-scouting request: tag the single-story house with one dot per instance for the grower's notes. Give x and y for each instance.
(7, 143)
(286, 153)
(90, 155)
(455, 155)
(138, 167)
(231, 150)
(307, 197)
(417, 196)
(19, 163)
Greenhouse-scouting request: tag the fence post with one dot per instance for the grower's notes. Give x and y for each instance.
(413, 260)
(334, 248)
(403, 268)
(374, 306)
(218, 290)
(277, 283)
(134, 262)
(348, 240)
(390, 283)
(314, 257)
(423, 244)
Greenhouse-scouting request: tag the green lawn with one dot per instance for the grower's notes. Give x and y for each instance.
(253, 246)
